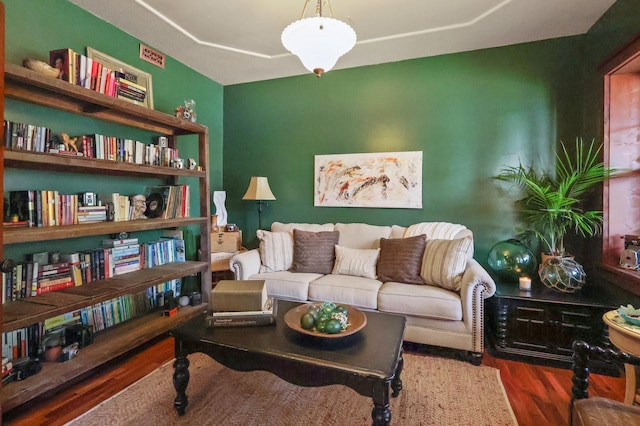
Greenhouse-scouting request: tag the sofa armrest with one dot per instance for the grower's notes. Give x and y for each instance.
(245, 264)
(477, 285)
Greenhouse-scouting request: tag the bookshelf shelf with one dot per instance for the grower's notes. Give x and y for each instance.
(66, 163)
(29, 86)
(36, 89)
(106, 346)
(26, 235)
(24, 312)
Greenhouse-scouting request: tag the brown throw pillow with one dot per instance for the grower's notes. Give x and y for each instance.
(314, 251)
(401, 259)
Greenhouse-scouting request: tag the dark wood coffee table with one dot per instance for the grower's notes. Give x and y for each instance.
(369, 361)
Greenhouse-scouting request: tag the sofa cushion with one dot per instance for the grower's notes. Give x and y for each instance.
(361, 235)
(357, 291)
(400, 259)
(276, 250)
(435, 230)
(397, 231)
(311, 227)
(444, 262)
(314, 251)
(359, 263)
(287, 285)
(420, 300)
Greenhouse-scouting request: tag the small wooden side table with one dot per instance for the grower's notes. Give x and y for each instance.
(626, 337)
(220, 265)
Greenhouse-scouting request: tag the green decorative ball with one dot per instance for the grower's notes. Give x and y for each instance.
(511, 259)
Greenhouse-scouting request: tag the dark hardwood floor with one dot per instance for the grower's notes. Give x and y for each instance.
(539, 395)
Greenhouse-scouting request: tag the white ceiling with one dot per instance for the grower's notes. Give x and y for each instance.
(238, 41)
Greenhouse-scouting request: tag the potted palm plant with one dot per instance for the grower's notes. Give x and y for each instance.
(554, 201)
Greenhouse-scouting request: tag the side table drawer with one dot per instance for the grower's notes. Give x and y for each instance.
(543, 330)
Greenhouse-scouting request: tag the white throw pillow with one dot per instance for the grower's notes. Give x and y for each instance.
(276, 250)
(359, 263)
(444, 262)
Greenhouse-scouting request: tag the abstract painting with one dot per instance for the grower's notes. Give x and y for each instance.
(381, 179)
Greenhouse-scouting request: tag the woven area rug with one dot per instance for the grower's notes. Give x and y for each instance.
(436, 391)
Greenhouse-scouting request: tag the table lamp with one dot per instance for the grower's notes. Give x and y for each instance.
(259, 190)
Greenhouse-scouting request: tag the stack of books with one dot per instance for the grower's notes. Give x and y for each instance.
(92, 214)
(240, 303)
(125, 254)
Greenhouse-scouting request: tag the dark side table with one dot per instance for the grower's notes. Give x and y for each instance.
(540, 326)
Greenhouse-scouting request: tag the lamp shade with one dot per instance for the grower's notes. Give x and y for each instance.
(259, 189)
(318, 42)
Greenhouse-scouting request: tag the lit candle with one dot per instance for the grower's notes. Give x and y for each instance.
(525, 283)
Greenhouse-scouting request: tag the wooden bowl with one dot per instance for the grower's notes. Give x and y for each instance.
(356, 317)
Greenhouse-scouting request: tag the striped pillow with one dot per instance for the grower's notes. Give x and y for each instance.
(276, 250)
(444, 262)
(356, 262)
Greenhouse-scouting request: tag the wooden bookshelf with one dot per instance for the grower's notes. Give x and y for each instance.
(28, 86)
(107, 345)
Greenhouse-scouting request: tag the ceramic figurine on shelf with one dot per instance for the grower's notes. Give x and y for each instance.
(69, 143)
(219, 198)
(139, 203)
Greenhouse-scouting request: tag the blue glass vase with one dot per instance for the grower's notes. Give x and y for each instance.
(511, 259)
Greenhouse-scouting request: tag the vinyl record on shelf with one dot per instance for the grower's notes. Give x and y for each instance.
(155, 205)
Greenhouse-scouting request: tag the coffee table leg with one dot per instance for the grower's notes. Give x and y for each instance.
(396, 382)
(381, 414)
(180, 382)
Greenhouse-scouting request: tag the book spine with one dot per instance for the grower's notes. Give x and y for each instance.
(53, 272)
(55, 266)
(58, 279)
(55, 287)
(239, 320)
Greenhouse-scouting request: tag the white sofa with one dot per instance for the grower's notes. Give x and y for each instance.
(448, 311)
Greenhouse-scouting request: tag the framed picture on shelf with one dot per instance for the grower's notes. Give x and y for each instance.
(137, 77)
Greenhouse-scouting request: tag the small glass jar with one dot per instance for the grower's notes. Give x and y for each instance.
(189, 111)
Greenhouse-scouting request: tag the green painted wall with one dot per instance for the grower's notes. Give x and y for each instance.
(470, 113)
(33, 28)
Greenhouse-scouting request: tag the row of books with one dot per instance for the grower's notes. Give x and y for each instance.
(175, 200)
(43, 208)
(115, 311)
(28, 341)
(23, 342)
(28, 137)
(32, 278)
(40, 208)
(112, 148)
(34, 138)
(83, 71)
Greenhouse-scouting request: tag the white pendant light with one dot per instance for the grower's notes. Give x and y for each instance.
(318, 41)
